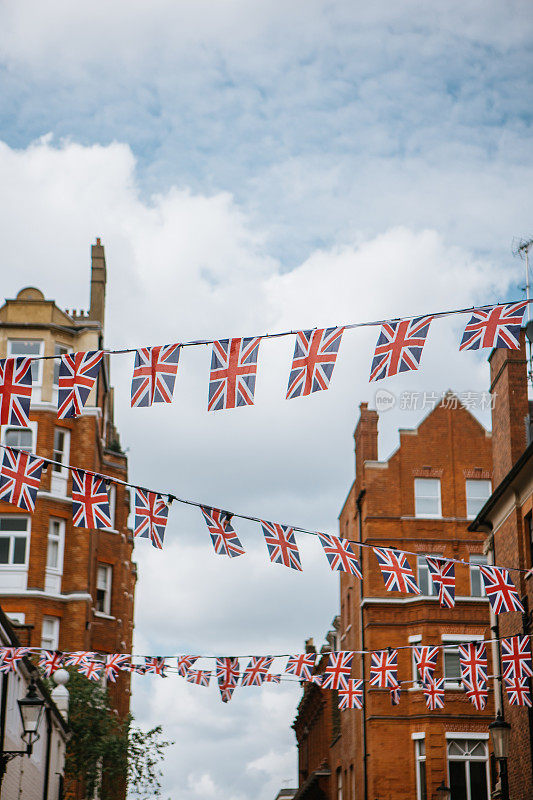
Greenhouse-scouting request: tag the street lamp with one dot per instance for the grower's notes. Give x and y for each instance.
(443, 792)
(500, 732)
(31, 710)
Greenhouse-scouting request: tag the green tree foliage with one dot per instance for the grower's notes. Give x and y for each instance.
(105, 751)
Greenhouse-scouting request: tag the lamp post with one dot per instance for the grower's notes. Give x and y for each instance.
(499, 733)
(31, 710)
(443, 792)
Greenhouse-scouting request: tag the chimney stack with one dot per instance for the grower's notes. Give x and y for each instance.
(510, 407)
(98, 282)
(366, 438)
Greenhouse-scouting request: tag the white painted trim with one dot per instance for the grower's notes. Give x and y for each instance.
(461, 637)
(64, 598)
(416, 637)
(418, 735)
(418, 599)
(50, 496)
(467, 735)
(102, 615)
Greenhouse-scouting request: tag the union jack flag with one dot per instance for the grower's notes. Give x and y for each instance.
(151, 515)
(15, 391)
(185, 663)
(498, 326)
(516, 657)
(154, 374)
(154, 666)
(318, 679)
(77, 375)
(225, 540)
(384, 669)
(340, 555)
(227, 672)
(281, 544)
(12, 656)
(50, 661)
(518, 691)
(399, 347)
(272, 678)
(301, 665)
(351, 694)
(395, 693)
(91, 669)
(233, 371)
(500, 589)
(113, 664)
(337, 670)
(426, 661)
(473, 661)
(396, 571)
(315, 353)
(255, 672)
(477, 693)
(442, 574)
(138, 669)
(20, 478)
(227, 693)
(200, 677)
(434, 693)
(90, 501)
(78, 657)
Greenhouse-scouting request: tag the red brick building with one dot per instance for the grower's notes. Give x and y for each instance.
(67, 588)
(507, 518)
(421, 499)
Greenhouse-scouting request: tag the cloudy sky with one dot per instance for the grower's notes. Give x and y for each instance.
(254, 167)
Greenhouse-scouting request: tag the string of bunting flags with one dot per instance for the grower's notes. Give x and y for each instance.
(234, 362)
(335, 674)
(20, 476)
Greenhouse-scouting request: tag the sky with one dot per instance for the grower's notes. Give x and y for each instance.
(253, 168)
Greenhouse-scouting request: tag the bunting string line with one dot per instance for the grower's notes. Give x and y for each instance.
(230, 514)
(348, 326)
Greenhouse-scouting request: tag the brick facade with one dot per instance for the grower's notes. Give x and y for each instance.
(507, 519)
(450, 446)
(35, 592)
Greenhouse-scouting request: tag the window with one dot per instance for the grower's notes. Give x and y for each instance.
(427, 497)
(56, 532)
(427, 587)
(339, 784)
(477, 494)
(59, 350)
(50, 633)
(104, 575)
(19, 437)
(451, 665)
(528, 525)
(468, 769)
(352, 784)
(13, 540)
(29, 347)
(61, 455)
(477, 587)
(420, 760)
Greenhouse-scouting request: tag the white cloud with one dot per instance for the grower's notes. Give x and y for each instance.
(185, 265)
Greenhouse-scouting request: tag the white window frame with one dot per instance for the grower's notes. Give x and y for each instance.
(339, 784)
(32, 427)
(456, 640)
(475, 560)
(57, 570)
(108, 589)
(478, 737)
(54, 638)
(417, 485)
(421, 559)
(470, 482)
(36, 384)
(112, 494)
(59, 479)
(417, 739)
(16, 534)
(415, 639)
